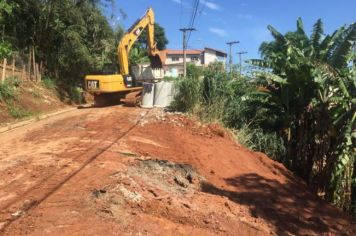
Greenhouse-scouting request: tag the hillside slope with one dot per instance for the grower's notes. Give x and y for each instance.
(21, 99)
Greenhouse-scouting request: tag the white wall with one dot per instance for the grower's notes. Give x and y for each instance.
(210, 56)
(170, 61)
(174, 68)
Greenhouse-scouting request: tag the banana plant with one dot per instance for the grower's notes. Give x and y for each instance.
(315, 85)
(138, 56)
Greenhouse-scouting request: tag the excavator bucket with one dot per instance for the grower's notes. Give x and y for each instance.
(132, 99)
(157, 60)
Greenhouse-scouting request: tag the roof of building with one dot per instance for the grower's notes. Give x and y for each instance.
(180, 52)
(216, 50)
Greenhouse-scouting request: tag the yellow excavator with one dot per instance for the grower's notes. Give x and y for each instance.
(123, 86)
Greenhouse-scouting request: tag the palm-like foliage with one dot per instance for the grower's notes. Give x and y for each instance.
(314, 81)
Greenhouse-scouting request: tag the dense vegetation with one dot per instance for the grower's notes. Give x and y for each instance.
(70, 38)
(298, 107)
(139, 52)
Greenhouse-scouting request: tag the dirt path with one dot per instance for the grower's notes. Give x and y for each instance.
(128, 171)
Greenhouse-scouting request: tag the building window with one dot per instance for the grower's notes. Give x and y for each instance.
(194, 58)
(175, 58)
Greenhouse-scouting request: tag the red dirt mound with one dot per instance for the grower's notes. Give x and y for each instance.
(270, 191)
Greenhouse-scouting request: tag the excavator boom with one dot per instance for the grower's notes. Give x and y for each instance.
(131, 36)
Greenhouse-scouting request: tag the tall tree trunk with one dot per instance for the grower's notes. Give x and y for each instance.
(13, 67)
(34, 63)
(3, 76)
(29, 62)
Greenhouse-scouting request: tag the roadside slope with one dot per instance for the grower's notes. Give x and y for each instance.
(20, 99)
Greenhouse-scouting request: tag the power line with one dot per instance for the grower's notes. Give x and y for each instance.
(194, 14)
(200, 13)
(192, 18)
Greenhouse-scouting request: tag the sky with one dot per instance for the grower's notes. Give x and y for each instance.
(221, 21)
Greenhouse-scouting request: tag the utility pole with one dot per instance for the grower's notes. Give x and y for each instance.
(184, 30)
(230, 60)
(240, 58)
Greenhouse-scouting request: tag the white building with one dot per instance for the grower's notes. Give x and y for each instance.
(173, 59)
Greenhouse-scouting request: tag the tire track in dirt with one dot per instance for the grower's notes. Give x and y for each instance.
(64, 165)
(55, 181)
(46, 178)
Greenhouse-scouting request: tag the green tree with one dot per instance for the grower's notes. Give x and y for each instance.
(6, 9)
(70, 38)
(139, 53)
(159, 37)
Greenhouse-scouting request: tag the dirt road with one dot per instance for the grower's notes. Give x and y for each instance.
(129, 171)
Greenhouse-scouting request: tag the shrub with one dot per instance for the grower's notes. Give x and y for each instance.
(75, 94)
(188, 96)
(8, 89)
(7, 92)
(194, 71)
(49, 83)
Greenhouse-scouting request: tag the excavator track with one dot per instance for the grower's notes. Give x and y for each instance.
(132, 99)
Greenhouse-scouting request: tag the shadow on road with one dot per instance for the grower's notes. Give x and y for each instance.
(289, 207)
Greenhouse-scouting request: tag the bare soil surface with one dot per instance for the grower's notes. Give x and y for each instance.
(129, 171)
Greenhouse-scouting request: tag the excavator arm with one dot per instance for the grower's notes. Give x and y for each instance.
(131, 37)
(113, 87)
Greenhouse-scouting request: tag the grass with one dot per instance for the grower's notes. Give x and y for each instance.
(36, 93)
(8, 96)
(8, 89)
(269, 143)
(7, 92)
(18, 112)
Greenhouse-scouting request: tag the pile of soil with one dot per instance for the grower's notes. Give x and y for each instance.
(174, 192)
(278, 201)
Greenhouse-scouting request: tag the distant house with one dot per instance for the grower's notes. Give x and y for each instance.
(173, 59)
